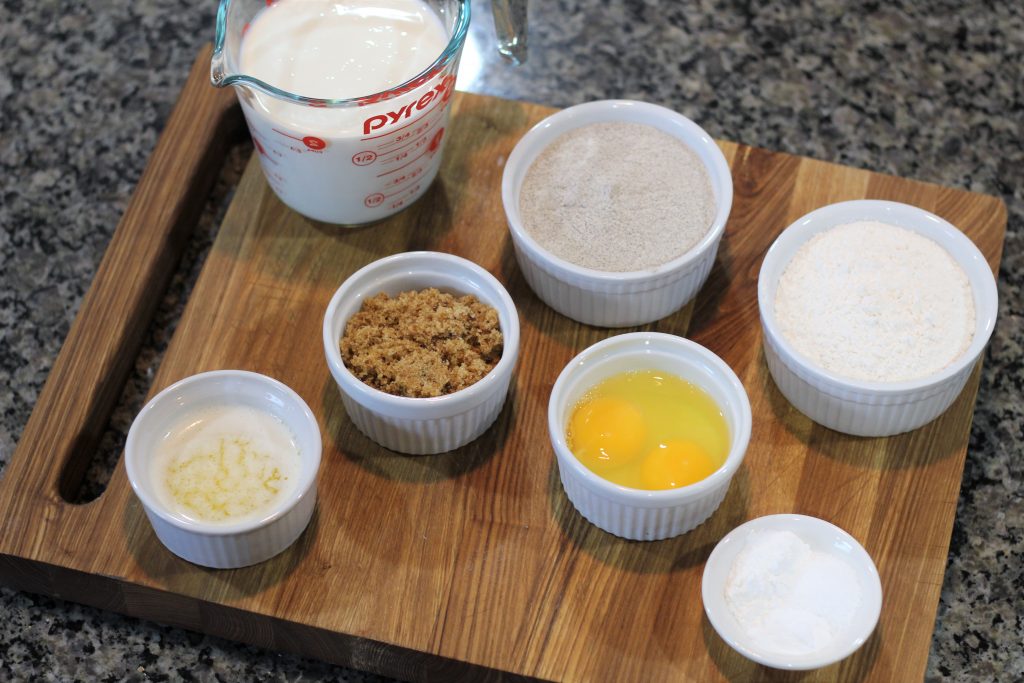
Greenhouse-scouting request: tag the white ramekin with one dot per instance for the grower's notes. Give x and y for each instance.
(609, 299)
(858, 407)
(422, 426)
(633, 513)
(224, 546)
(822, 537)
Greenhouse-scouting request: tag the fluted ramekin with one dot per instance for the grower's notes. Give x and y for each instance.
(634, 513)
(421, 426)
(858, 407)
(225, 545)
(610, 299)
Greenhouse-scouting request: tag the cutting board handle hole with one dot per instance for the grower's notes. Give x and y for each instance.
(93, 456)
(78, 482)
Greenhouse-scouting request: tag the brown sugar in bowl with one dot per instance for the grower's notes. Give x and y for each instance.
(426, 425)
(422, 343)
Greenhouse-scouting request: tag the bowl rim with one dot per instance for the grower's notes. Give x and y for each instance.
(305, 485)
(619, 110)
(841, 213)
(719, 564)
(434, 406)
(643, 497)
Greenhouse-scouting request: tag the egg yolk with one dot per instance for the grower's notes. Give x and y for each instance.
(648, 429)
(674, 464)
(606, 433)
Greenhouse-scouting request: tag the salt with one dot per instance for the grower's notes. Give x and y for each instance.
(789, 598)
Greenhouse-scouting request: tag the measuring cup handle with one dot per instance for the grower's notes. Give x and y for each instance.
(88, 375)
(510, 27)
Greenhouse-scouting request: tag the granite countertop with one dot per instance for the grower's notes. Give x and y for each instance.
(927, 90)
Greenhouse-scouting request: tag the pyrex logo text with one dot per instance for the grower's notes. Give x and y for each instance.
(442, 90)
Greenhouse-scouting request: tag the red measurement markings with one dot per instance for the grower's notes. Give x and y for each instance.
(405, 165)
(378, 198)
(260, 145)
(411, 175)
(407, 178)
(281, 132)
(401, 191)
(435, 141)
(364, 158)
(311, 142)
(401, 156)
(400, 138)
(405, 196)
(418, 142)
(425, 121)
(314, 143)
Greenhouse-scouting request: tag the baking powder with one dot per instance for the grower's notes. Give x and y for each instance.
(788, 598)
(617, 197)
(873, 301)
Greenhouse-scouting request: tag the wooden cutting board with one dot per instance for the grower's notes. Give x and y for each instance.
(470, 563)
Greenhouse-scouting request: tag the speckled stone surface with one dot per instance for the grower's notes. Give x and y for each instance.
(929, 90)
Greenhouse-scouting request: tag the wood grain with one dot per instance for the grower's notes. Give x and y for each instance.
(473, 563)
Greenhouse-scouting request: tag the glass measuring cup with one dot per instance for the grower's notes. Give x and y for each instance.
(345, 161)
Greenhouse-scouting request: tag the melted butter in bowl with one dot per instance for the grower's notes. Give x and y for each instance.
(225, 463)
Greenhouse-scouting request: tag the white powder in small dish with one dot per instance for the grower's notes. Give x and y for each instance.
(876, 302)
(617, 197)
(789, 598)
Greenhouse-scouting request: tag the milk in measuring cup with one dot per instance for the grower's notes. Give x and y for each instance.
(359, 163)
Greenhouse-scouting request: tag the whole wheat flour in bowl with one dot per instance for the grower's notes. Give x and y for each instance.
(617, 197)
(620, 219)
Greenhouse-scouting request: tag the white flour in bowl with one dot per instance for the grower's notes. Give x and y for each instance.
(876, 302)
(617, 197)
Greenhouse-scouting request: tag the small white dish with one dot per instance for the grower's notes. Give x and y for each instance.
(634, 513)
(421, 426)
(609, 299)
(822, 537)
(225, 545)
(859, 407)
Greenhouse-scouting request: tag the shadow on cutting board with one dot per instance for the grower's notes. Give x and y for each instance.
(282, 238)
(180, 576)
(650, 557)
(917, 448)
(565, 332)
(345, 441)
